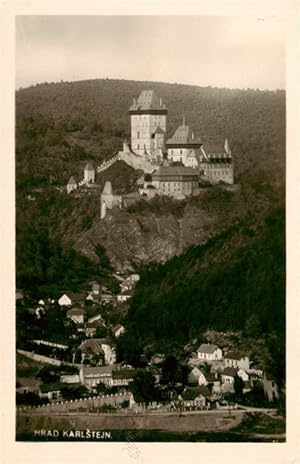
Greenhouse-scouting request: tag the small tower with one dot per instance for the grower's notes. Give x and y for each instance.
(108, 199)
(71, 185)
(146, 114)
(89, 173)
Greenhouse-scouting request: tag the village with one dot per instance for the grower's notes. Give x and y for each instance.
(87, 366)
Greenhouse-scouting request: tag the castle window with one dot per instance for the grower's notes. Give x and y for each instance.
(138, 135)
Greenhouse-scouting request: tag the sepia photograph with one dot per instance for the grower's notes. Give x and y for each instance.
(150, 230)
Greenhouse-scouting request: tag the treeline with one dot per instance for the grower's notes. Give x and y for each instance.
(236, 281)
(60, 125)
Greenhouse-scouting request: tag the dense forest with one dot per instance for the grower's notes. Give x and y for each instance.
(235, 282)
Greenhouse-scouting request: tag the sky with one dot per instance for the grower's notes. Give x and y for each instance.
(234, 52)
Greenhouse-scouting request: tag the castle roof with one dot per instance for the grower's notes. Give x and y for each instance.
(148, 101)
(89, 167)
(184, 137)
(72, 181)
(108, 188)
(159, 130)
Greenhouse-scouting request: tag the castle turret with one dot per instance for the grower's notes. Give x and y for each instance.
(108, 199)
(89, 173)
(147, 114)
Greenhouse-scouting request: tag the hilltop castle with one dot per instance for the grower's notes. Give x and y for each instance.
(172, 167)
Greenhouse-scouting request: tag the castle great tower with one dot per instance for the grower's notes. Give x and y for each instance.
(148, 123)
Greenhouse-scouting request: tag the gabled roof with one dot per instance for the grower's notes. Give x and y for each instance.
(98, 370)
(236, 355)
(72, 181)
(148, 100)
(230, 371)
(184, 136)
(208, 348)
(75, 296)
(124, 373)
(76, 312)
(159, 130)
(192, 393)
(89, 167)
(94, 345)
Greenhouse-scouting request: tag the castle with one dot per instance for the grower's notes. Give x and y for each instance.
(171, 167)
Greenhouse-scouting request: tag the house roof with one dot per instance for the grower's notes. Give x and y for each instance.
(192, 393)
(108, 188)
(237, 355)
(159, 130)
(72, 181)
(94, 345)
(208, 348)
(230, 371)
(124, 374)
(98, 370)
(89, 167)
(76, 312)
(75, 296)
(210, 377)
(148, 100)
(117, 327)
(184, 136)
(47, 387)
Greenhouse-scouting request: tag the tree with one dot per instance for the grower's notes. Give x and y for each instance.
(238, 387)
(143, 387)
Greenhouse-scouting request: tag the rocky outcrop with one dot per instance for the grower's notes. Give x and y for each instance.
(132, 239)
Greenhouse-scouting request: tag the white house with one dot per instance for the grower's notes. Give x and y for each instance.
(92, 376)
(89, 173)
(77, 315)
(122, 297)
(70, 299)
(243, 375)
(237, 360)
(228, 375)
(209, 352)
(98, 346)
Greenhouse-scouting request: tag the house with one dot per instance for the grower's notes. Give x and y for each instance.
(90, 377)
(209, 352)
(124, 296)
(77, 315)
(122, 377)
(243, 375)
(71, 299)
(90, 328)
(100, 347)
(51, 391)
(27, 385)
(96, 317)
(118, 330)
(228, 375)
(237, 359)
(175, 181)
(195, 397)
(69, 378)
(270, 388)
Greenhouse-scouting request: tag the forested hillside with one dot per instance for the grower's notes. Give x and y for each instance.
(236, 281)
(61, 125)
